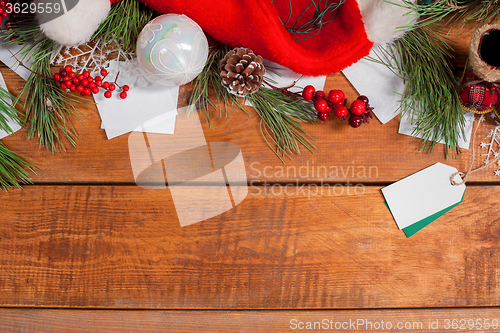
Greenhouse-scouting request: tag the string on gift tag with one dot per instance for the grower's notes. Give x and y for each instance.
(469, 171)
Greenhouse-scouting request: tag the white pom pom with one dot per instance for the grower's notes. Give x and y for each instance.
(384, 19)
(77, 26)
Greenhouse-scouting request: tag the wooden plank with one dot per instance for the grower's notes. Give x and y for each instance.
(415, 320)
(343, 154)
(281, 248)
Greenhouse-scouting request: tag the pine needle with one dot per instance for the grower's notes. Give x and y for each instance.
(7, 111)
(47, 106)
(125, 20)
(430, 96)
(281, 117)
(422, 58)
(13, 169)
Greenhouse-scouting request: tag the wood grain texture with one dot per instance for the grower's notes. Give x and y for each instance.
(342, 151)
(122, 247)
(418, 320)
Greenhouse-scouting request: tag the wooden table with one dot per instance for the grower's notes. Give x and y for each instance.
(85, 249)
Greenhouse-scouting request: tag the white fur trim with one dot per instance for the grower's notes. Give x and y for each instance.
(382, 19)
(77, 26)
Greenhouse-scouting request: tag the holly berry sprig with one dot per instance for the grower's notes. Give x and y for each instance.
(360, 109)
(85, 84)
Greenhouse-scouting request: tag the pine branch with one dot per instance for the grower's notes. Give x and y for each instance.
(280, 122)
(430, 96)
(7, 111)
(280, 115)
(422, 58)
(13, 169)
(47, 106)
(126, 20)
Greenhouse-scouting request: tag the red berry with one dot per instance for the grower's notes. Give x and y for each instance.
(68, 68)
(98, 78)
(107, 94)
(98, 83)
(105, 85)
(85, 82)
(90, 79)
(4, 14)
(340, 111)
(72, 87)
(87, 91)
(336, 96)
(320, 94)
(75, 80)
(308, 92)
(86, 74)
(123, 95)
(1, 10)
(364, 99)
(91, 85)
(104, 73)
(323, 115)
(355, 121)
(80, 77)
(79, 88)
(125, 88)
(329, 109)
(320, 105)
(57, 76)
(112, 87)
(82, 94)
(358, 107)
(66, 78)
(63, 73)
(95, 90)
(63, 86)
(72, 74)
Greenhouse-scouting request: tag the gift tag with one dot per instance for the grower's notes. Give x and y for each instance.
(421, 198)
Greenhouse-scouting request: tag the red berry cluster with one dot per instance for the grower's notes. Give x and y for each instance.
(86, 84)
(6, 14)
(3, 11)
(360, 109)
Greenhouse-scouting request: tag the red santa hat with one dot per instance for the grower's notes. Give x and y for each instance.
(257, 24)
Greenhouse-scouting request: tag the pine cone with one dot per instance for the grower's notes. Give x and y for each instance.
(242, 71)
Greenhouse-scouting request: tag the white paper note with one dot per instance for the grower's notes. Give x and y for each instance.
(143, 104)
(422, 194)
(405, 127)
(377, 82)
(7, 58)
(12, 124)
(285, 77)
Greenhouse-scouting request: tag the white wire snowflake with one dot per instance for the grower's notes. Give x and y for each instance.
(493, 146)
(90, 56)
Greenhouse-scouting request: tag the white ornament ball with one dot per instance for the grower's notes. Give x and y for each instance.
(172, 49)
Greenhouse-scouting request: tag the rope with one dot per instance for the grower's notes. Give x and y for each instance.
(469, 171)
